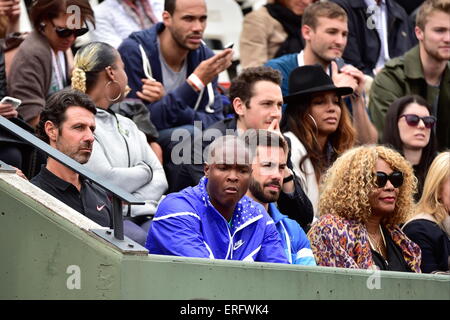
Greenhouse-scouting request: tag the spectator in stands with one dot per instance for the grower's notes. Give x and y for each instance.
(120, 151)
(215, 219)
(409, 129)
(270, 151)
(424, 70)
(366, 194)
(13, 150)
(410, 5)
(378, 31)
(429, 225)
(317, 124)
(324, 28)
(43, 63)
(115, 20)
(272, 31)
(185, 70)
(256, 98)
(67, 123)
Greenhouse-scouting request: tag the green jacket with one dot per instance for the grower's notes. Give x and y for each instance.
(402, 76)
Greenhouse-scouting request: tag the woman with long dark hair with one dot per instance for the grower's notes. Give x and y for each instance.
(409, 129)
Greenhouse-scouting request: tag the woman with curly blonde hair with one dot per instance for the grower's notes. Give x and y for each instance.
(365, 195)
(429, 224)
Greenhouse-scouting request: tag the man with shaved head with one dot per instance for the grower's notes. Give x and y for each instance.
(215, 219)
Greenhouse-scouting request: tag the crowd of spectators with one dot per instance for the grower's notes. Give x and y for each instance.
(329, 148)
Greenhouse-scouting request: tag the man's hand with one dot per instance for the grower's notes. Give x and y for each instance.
(357, 75)
(8, 111)
(208, 69)
(152, 90)
(20, 173)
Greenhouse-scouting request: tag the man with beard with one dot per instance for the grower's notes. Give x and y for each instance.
(215, 219)
(67, 123)
(325, 30)
(269, 163)
(424, 70)
(173, 72)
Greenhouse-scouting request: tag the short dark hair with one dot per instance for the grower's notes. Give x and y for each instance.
(260, 137)
(50, 9)
(391, 135)
(90, 60)
(169, 6)
(242, 86)
(56, 106)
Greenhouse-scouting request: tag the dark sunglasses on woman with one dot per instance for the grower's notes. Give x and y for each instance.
(66, 32)
(396, 179)
(413, 120)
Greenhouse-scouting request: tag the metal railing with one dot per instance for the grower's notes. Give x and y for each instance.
(119, 195)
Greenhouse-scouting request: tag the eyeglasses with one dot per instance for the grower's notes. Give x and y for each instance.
(396, 179)
(66, 32)
(413, 120)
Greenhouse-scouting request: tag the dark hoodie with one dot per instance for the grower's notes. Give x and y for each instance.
(176, 108)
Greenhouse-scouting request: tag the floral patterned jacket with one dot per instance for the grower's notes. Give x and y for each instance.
(338, 242)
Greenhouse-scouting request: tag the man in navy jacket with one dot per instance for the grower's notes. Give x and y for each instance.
(177, 74)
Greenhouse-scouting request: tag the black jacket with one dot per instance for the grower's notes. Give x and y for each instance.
(296, 206)
(364, 44)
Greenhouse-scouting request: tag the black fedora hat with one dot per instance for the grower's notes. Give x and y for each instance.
(306, 80)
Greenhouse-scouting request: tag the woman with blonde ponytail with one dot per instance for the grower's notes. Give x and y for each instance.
(121, 153)
(429, 225)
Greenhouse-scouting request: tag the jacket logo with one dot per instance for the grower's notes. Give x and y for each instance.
(100, 208)
(238, 244)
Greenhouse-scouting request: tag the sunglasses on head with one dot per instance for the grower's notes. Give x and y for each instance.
(66, 32)
(413, 120)
(396, 178)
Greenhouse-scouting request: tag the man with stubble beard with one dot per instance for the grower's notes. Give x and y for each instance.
(67, 124)
(215, 219)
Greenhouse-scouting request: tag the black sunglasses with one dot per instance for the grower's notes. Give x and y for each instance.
(413, 120)
(66, 32)
(396, 178)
